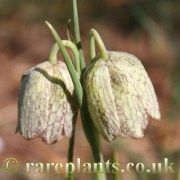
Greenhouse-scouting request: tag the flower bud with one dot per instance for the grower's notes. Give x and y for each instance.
(46, 106)
(120, 95)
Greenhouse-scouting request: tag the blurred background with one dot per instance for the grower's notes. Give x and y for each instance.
(148, 29)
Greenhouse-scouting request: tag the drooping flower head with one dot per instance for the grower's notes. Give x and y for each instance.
(47, 104)
(120, 95)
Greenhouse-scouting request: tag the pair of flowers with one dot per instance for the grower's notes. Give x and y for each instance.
(120, 97)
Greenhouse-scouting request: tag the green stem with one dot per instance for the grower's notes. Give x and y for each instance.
(72, 71)
(69, 35)
(90, 130)
(71, 146)
(88, 125)
(53, 54)
(116, 175)
(92, 49)
(71, 151)
(77, 35)
(101, 175)
(94, 35)
(75, 52)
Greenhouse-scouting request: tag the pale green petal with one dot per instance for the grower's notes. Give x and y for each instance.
(132, 115)
(46, 107)
(101, 101)
(132, 67)
(120, 96)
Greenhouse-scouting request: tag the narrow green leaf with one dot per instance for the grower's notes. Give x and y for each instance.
(77, 34)
(72, 71)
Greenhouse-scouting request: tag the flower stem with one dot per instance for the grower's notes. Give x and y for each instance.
(77, 35)
(116, 175)
(72, 71)
(75, 52)
(53, 54)
(89, 128)
(69, 35)
(92, 49)
(71, 151)
(94, 35)
(101, 175)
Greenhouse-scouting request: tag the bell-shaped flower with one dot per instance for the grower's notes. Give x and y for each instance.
(46, 107)
(121, 97)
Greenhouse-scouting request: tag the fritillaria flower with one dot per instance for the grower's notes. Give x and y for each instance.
(121, 97)
(46, 107)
